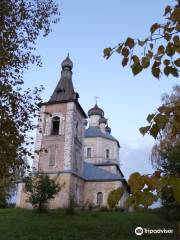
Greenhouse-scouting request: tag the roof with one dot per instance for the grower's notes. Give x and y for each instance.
(96, 111)
(93, 173)
(96, 132)
(64, 90)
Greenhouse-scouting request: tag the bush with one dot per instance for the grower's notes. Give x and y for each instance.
(41, 189)
(114, 197)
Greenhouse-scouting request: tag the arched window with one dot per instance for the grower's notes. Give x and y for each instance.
(107, 153)
(55, 126)
(99, 198)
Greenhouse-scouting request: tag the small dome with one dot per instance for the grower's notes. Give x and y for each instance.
(108, 129)
(102, 120)
(96, 111)
(67, 63)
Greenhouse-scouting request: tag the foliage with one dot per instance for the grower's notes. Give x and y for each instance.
(114, 197)
(160, 48)
(164, 124)
(167, 139)
(41, 189)
(4, 193)
(21, 22)
(160, 54)
(146, 189)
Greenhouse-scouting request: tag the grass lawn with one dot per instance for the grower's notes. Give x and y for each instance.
(56, 225)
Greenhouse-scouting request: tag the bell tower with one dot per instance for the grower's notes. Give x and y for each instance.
(59, 140)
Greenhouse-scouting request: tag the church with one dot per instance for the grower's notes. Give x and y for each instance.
(76, 149)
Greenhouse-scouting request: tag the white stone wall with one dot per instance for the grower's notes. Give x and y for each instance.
(69, 136)
(39, 136)
(99, 146)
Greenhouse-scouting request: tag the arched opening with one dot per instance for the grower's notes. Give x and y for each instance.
(107, 153)
(99, 198)
(55, 126)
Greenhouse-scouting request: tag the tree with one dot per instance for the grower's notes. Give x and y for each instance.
(160, 55)
(160, 48)
(41, 189)
(21, 22)
(168, 137)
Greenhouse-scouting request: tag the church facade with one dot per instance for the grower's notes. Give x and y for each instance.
(76, 150)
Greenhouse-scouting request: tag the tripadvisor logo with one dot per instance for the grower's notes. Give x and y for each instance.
(139, 231)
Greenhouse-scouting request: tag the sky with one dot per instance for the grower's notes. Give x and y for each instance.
(84, 30)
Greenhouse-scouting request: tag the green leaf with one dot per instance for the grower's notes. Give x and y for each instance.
(155, 72)
(167, 70)
(107, 52)
(125, 52)
(136, 68)
(174, 72)
(175, 16)
(135, 59)
(161, 120)
(170, 49)
(176, 39)
(135, 182)
(130, 42)
(171, 70)
(161, 50)
(167, 10)
(154, 131)
(145, 62)
(177, 62)
(146, 198)
(144, 130)
(166, 62)
(164, 109)
(150, 117)
(154, 27)
(125, 61)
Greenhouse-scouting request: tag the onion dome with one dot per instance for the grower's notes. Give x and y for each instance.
(96, 111)
(108, 129)
(102, 120)
(67, 63)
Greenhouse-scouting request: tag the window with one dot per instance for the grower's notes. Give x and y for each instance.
(107, 153)
(55, 126)
(52, 155)
(99, 198)
(88, 152)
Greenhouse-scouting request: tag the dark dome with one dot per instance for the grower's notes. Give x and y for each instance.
(102, 120)
(108, 129)
(96, 111)
(67, 63)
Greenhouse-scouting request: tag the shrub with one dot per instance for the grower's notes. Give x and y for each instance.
(114, 197)
(41, 189)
